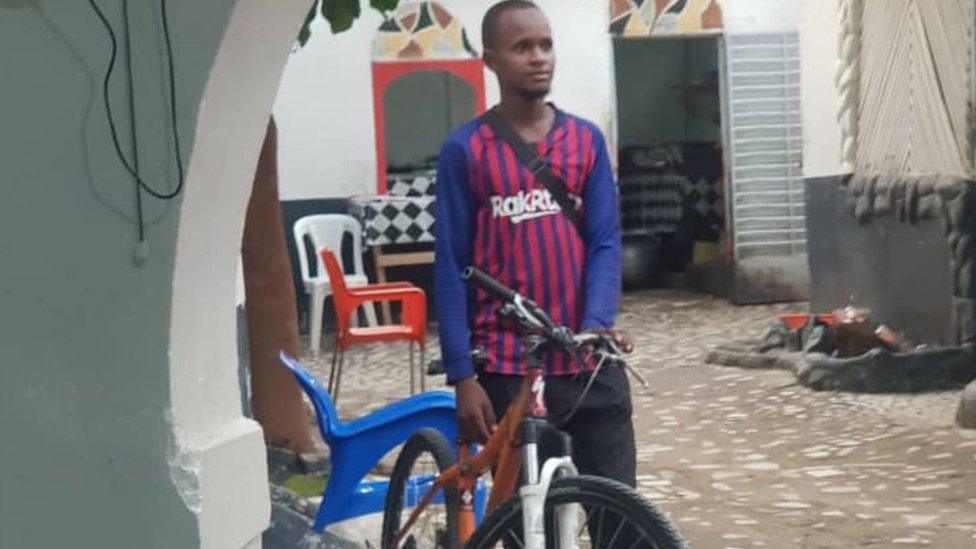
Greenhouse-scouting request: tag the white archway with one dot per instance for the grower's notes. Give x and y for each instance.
(218, 462)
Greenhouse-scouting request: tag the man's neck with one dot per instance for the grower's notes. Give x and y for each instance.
(531, 118)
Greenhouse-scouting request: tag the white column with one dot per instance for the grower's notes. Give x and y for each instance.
(819, 51)
(218, 460)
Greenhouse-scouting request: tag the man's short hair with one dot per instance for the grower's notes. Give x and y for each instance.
(489, 25)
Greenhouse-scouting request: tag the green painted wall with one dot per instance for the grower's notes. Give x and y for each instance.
(84, 380)
(652, 108)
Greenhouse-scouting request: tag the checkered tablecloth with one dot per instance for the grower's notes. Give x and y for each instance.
(412, 183)
(396, 219)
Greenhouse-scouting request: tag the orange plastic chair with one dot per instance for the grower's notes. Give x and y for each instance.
(412, 327)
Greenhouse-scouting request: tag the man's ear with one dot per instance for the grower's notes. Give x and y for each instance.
(488, 58)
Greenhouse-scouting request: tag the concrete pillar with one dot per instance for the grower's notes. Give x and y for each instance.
(119, 398)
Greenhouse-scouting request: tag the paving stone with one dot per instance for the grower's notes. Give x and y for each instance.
(712, 441)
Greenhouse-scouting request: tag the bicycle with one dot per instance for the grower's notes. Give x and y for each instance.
(581, 511)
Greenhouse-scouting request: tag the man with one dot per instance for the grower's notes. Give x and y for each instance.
(493, 213)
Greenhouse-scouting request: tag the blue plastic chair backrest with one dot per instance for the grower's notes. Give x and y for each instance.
(324, 409)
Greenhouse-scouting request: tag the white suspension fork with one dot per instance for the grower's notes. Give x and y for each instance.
(533, 496)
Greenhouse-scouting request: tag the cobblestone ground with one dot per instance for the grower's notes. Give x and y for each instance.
(750, 459)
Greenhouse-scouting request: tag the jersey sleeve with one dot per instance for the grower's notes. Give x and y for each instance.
(602, 236)
(452, 252)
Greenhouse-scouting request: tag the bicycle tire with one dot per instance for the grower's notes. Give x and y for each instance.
(424, 441)
(593, 493)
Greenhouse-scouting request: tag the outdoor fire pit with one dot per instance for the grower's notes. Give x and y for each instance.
(845, 351)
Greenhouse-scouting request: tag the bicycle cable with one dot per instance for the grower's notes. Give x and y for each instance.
(558, 423)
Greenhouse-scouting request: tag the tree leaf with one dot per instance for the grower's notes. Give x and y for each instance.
(340, 13)
(306, 32)
(384, 6)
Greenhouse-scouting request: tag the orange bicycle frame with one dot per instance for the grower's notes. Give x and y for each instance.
(501, 455)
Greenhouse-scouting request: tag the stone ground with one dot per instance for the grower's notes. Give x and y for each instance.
(746, 458)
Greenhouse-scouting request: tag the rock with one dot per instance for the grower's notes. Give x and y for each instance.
(966, 415)
(928, 206)
(752, 360)
(290, 529)
(283, 463)
(879, 370)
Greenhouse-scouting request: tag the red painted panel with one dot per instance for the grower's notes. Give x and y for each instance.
(387, 72)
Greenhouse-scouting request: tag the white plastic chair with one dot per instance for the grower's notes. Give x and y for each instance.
(328, 230)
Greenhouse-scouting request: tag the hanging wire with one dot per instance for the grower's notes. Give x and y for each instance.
(133, 171)
(140, 216)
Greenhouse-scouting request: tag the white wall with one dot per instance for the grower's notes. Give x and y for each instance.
(324, 108)
(324, 113)
(818, 61)
(751, 16)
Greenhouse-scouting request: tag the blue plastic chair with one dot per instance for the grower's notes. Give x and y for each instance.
(357, 445)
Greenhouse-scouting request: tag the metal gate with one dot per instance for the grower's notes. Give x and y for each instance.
(764, 156)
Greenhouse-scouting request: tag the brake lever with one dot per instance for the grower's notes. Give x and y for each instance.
(614, 353)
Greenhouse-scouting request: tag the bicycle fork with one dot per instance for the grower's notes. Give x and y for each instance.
(533, 492)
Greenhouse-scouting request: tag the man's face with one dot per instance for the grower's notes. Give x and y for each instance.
(521, 54)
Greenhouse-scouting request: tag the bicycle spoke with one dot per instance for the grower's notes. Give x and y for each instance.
(424, 531)
(585, 522)
(516, 539)
(617, 533)
(637, 543)
(599, 529)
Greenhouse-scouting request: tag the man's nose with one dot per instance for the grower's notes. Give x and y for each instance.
(540, 56)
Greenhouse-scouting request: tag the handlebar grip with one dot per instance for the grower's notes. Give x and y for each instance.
(488, 284)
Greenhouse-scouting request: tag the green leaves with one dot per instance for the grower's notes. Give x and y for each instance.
(340, 14)
(383, 6)
(306, 32)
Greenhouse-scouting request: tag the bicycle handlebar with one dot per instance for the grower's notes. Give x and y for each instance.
(525, 311)
(532, 317)
(488, 284)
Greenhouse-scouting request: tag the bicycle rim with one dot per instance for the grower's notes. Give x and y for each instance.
(610, 516)
(423, 457)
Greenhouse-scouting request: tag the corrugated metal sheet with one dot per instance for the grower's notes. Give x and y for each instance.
(766, 145)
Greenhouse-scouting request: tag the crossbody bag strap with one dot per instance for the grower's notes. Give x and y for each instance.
(538, 166)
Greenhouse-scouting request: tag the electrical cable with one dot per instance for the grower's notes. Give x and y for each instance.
(140, 216)
(172, 96)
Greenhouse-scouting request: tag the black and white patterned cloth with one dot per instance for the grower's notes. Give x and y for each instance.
(706, 197)
(405, 215)
(418, 182)
(396, 219)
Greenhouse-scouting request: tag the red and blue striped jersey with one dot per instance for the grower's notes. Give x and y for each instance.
(493, 214)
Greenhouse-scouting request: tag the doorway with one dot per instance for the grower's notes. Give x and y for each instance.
(671, 176)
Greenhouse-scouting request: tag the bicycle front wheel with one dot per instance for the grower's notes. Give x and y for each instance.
(425, 455)
(611, 516)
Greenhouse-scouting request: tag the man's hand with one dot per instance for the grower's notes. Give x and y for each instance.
(475, 416)
(620, 336)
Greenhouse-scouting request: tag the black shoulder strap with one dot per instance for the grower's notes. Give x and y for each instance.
(539, 168)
